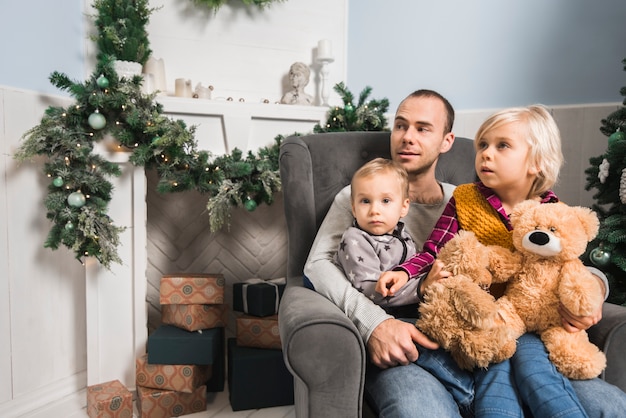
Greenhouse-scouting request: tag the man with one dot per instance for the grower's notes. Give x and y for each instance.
(422, 130)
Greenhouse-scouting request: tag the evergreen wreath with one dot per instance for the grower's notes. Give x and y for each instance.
(216, 4)
(109, 106)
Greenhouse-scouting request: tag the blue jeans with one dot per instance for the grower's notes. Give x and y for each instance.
(482, 393)
(501, 390)
(409, 391)
(598, 398)
(544, 389)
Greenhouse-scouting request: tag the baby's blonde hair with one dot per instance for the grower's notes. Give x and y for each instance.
(543, 138)
(383, 165)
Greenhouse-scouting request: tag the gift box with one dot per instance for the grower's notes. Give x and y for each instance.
(194, 317)
(258, 332)
(172, 345)
(257, 378)
(258, 297)
(109, 400)
(189, 289)
(157, 403)
(181, 378)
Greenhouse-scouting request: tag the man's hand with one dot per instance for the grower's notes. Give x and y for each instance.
(390, 282)
(393, 343)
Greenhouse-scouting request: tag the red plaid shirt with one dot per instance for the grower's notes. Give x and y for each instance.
(448, 225)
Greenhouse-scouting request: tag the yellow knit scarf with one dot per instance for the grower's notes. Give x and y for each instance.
(475, 214)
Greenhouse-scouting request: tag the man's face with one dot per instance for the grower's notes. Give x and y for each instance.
(417, 136)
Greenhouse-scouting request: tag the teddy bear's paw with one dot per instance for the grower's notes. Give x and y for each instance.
(581, 298)
(482, 348)
(573, 354)
(472, 304)
(580, 367)
(465, 255)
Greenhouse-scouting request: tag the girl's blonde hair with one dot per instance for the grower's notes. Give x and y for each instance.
(384, 165)
(543, 138)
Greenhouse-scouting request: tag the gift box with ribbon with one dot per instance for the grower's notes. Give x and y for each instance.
(258, 297)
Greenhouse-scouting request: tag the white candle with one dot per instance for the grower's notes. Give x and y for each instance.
(324, 49)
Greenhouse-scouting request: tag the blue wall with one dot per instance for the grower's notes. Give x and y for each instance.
(480, 54)
(38, 37)
(489, 53)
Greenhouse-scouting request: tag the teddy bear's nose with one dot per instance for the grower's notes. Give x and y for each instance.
(539, 238)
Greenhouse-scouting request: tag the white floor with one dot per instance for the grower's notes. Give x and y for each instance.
(218, 406)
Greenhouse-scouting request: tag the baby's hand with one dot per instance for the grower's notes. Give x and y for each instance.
(391, 281)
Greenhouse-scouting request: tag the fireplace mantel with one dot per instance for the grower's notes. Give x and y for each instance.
(116, 299)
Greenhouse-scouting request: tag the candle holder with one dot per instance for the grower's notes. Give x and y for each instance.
(324, 73)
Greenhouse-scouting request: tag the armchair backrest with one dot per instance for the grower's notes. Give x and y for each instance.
(314, 168)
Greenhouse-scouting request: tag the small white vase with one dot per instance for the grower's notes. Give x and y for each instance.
(127, 69)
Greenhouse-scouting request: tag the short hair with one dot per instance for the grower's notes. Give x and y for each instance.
(383, 165)
(446, 104)
(301, 68)
(543, 137)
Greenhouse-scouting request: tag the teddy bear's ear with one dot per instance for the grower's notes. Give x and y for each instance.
(522, 208)
(588, 219)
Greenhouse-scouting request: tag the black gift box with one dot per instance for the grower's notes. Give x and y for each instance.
(257, 298)
(257, 378)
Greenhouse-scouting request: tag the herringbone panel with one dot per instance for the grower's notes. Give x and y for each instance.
(180, 241)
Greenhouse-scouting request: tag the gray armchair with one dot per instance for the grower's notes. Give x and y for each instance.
(321, 346)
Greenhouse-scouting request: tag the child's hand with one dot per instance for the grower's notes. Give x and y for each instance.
(391, 281)
(436, 273)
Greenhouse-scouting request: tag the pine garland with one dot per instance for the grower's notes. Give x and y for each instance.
(109, 106)
(366, 116)
(216, 4)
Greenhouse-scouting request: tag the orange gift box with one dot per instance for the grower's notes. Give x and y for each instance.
(189, 289)
(157, 403)
(181, 378)
(194, 317)
(109, 400)
(253, 331)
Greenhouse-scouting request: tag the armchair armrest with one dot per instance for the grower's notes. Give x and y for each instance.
(610, 336)
(324, 352)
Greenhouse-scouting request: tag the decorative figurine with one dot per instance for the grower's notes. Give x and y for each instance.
(299, 74)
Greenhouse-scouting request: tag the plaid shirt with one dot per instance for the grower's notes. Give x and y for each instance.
(448, 225)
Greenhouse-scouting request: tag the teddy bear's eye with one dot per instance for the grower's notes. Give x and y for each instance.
(553, 229)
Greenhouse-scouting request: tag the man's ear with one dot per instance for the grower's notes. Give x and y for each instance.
(448, 141)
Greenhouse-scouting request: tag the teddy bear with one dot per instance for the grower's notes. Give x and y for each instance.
(460, 313)
(542, 271)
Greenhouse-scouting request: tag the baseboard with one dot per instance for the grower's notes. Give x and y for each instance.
(63, 399)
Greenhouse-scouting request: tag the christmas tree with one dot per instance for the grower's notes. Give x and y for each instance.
(607, 175)
(121, 26)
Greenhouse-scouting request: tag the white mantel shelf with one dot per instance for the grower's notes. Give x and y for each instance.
(116, 299)
(223, 125)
